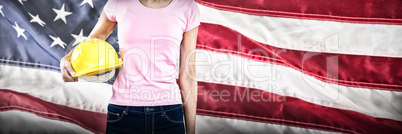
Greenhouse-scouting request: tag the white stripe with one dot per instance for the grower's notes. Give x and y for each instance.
(237, 71)
(216, 125)
(49, 86)
(311, 35)
(15, 121)
(29, 63)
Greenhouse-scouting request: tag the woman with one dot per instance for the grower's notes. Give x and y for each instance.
(146, 97)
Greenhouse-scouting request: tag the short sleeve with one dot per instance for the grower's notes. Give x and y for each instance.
(193, 18)
(110, 10)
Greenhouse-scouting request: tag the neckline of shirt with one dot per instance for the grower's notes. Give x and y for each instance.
(148, 8)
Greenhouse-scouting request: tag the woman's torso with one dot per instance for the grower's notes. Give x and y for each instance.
(150, 39)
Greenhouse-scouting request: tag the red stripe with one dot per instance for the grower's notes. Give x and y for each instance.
(256, 105)
(349, 70)
(11, 100)
(354, 11)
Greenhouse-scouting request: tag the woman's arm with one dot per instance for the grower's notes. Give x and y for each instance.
(102, 30)
(187, 78)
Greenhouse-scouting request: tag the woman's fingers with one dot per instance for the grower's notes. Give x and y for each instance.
(67, 71)
(67, 65)
(66, 76)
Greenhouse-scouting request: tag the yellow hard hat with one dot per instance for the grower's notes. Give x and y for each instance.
(94, 56)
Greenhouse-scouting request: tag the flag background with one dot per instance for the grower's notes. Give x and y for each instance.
(263, 67)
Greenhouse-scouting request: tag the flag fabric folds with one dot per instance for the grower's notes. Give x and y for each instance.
(311, 66)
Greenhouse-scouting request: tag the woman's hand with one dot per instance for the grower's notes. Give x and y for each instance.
(67, 70)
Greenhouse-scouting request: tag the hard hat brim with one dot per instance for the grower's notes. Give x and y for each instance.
(98, 69)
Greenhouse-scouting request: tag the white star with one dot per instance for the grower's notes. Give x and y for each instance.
(20, 31)
(1, 10)
(61, 14)
(57, 41)
(78, 38)
(37, 20)
(89, 2)
(21, 1)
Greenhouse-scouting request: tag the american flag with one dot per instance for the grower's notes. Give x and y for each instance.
(308, 66)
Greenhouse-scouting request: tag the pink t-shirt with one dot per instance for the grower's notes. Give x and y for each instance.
(151, 41)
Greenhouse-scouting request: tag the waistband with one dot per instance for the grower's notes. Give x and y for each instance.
(147, 109)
